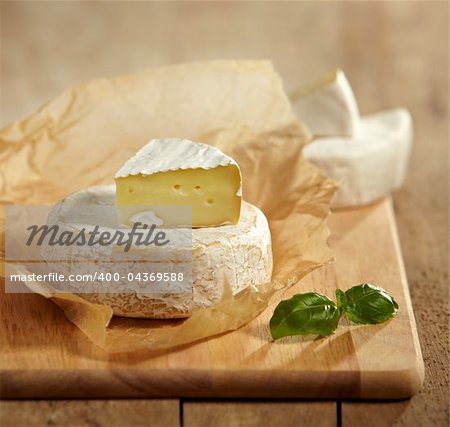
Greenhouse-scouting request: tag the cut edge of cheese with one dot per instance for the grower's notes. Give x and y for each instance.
(370, 165)
(328, 106)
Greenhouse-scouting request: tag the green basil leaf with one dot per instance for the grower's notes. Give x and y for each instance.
(304, 314)
(367, 304)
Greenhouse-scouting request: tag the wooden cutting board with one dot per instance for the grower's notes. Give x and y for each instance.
(44, 355)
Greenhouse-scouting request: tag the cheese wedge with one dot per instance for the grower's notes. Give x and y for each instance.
(369, 165)
(328, 107)
(167, 173)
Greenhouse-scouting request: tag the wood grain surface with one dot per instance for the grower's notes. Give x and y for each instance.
(249, 414)
(85, 413)
(44, 355)
(394, 53)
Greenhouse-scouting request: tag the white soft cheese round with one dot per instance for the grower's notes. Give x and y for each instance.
(237, 256)
(369, 165)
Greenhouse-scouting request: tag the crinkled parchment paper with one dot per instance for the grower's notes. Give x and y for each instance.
(83, 136)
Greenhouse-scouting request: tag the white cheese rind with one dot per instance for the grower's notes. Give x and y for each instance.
(328, 107)
(371, 164)
(237, 256)
(170, 154)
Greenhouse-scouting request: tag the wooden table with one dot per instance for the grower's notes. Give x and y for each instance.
(394, 53)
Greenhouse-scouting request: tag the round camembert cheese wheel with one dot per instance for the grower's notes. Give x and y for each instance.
(230, 257)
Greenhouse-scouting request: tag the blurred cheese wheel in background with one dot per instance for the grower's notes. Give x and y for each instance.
(370, 164)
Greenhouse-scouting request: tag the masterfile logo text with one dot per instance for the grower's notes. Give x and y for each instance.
(140, 235)
(84, 249)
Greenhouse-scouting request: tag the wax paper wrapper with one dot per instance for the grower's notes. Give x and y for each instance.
(83, 136)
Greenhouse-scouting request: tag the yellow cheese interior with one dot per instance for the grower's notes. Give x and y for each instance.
(212, 194)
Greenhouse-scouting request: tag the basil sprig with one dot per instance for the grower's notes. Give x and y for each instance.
(316, 314)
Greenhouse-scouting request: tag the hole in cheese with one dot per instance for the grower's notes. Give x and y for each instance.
(209, 201)
(130, 189)
(176, 186)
